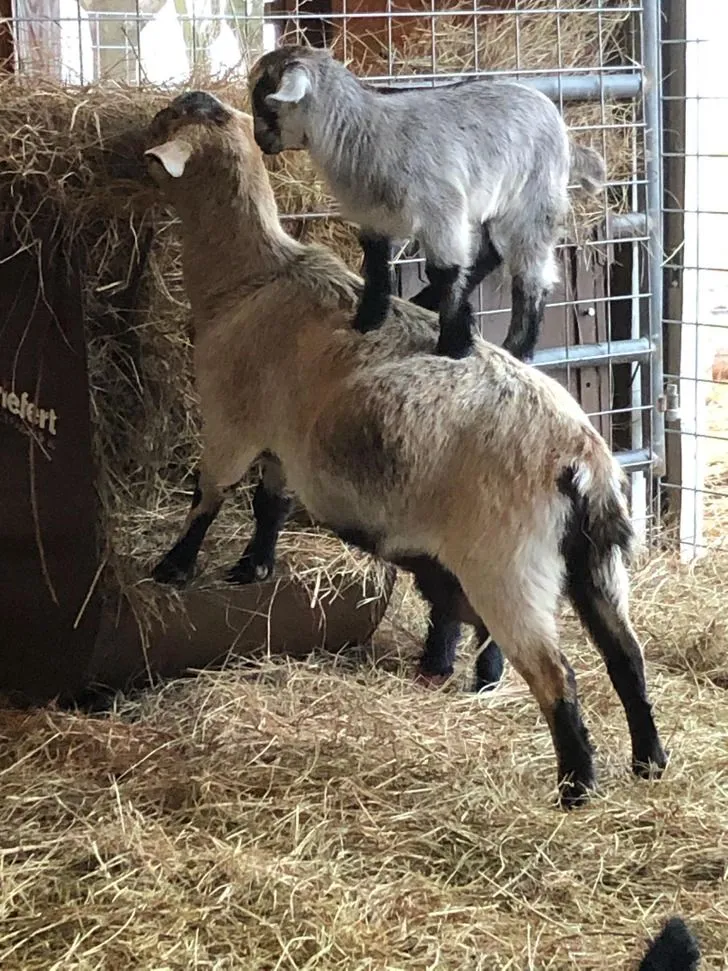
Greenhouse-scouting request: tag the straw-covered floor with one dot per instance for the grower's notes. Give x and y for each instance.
(331, 815)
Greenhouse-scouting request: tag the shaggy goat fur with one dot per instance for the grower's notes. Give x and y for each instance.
(411, 456)
(477, 172)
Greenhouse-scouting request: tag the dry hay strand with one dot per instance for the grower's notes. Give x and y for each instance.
(691, 632)
(330, 815)
(73, 158)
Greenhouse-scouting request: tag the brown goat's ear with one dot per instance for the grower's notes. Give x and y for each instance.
(295, 85)
(173, 155)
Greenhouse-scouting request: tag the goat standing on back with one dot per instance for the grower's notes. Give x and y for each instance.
(369, 430)
(477, 172)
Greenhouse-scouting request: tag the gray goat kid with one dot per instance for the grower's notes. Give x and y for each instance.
(477, 172)
(369, 429)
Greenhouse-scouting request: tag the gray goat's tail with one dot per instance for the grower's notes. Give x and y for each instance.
(674, 949)
(587, 168)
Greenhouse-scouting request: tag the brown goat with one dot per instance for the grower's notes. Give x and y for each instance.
(483, 466)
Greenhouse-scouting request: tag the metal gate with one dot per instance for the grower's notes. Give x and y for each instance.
(599, 60)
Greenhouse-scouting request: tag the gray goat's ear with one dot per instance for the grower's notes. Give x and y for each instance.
(173, 155)
(295, 85)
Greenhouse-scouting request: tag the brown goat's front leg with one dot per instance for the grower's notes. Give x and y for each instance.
(271, 507)
(178, 565)
(376, 296)
(449, 608)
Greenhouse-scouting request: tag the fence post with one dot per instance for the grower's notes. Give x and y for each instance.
(653, 170)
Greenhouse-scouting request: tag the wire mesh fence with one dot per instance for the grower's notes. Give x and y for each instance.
(599, 60)
(695, 105)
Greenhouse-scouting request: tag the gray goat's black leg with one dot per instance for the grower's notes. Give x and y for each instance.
(270, 511)
(487, 260)
(178, 565)
(457, 321)
(456, 315)
(528, 301)
(376, 296)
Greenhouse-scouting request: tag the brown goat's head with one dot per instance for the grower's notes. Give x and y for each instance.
(198, 135)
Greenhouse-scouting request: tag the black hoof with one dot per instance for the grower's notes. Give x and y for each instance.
(652, 767)
(246, 570)
(370, 315)
(574, 794)
(488, 668)
(455, 351)
(171, 573)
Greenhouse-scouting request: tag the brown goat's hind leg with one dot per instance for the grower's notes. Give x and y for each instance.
(571, 740)
(552, 683)
(612, 634)
(178, 565)
(519, 602)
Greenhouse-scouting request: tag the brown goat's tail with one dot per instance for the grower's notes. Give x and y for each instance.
(674, 949)
(601, 520)
(587, 168)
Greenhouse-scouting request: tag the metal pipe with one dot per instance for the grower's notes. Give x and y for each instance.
(587, 87)
(570, 87)
(636, 460)
(626, 225)
(589, 355)
(653, 171)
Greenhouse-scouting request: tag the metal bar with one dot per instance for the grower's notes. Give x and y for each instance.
(674, 28)
(588, 355)
(626, 225)
(636, 460)
(653, 169)
(570, 87)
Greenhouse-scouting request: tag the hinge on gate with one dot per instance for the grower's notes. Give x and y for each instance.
(669, 403)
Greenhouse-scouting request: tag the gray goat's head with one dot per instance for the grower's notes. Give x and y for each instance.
(281, 84)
